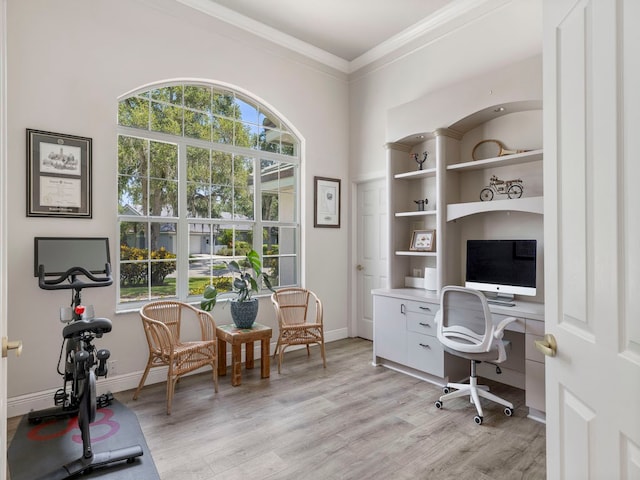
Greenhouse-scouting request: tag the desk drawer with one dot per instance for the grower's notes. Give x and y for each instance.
(425, 353)
(422, 307)
(420, 323)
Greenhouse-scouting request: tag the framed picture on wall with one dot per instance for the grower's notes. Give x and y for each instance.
(326, 202)
(58, 175)
(423, 241)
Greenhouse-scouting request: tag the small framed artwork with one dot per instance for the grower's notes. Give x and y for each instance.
(326, 202)
(58, 175)
(423, 241)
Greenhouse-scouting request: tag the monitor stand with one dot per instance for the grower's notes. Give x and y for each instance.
(502, 299)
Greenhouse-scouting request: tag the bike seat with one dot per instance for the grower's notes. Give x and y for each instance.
(95, 325)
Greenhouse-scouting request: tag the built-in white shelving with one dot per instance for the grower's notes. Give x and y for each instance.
(513, 159)
(528, 204)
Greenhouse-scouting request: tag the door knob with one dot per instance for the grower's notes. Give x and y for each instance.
(359, 267)
(7, 345)
(548, 345)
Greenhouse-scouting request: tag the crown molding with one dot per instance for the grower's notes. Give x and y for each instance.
(268, 33)
(455, 10)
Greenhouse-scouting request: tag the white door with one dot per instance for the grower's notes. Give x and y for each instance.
(371, 250)
(3, 233)
(592, 237)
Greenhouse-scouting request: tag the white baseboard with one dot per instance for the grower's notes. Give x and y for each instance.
(23, 404)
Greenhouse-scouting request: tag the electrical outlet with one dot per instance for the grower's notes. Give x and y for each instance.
(112, 365)
(417, 272)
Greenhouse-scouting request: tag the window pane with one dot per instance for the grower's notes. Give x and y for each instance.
(277, 184)
(221, 201)
(134, 261)
(166, 118)
(197, 125)
(197, 98)
(243, 203)
(287, 275)
(198, 163)
(168, 94)
(221, 173)
(163, 284)
(222, 130)
(246, 135)
(198, 198)
(133, 154)
(130, 195)
(267, 119)
(133, 241)
(163, 162)
(163, 198)
(269, 140)
(134, 112)
(247, 110)
(279, 240)
(234, 241)
(224, 104)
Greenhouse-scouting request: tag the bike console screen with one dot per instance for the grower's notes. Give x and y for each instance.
(66, 258)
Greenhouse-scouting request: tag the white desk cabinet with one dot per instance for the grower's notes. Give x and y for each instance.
(405, 340)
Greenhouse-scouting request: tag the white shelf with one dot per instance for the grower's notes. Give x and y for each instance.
(513, 159)
(426, 173)
(416, 213)
(410, 253)
(527, 204)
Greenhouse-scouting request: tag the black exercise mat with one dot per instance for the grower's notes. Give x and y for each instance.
(38, 449)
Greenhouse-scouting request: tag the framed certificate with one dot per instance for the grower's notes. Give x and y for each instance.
(58, 175)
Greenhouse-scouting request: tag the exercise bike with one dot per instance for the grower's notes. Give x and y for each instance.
(82, 361)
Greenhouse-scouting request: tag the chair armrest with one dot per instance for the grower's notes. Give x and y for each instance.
(499, 331)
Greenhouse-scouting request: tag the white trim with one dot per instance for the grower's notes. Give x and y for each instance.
(276, 36)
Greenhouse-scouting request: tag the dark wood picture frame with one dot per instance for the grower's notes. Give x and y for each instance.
(58, 175)
(326, 202)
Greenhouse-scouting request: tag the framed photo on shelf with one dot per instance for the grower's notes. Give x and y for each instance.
(326, 202)
(58, 175)
(423, 241)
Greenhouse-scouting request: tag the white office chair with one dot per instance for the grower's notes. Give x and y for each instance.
(465, 329)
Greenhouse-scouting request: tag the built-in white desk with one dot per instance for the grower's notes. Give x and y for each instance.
(405, 340)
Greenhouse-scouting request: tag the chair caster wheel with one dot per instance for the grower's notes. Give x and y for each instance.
(446, 390)
(508, 411)
(478, 419)
(438, 404)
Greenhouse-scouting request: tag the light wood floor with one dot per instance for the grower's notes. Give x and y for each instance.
(350, 421)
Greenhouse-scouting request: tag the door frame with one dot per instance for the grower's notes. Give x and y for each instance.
(3, 229)
(356, 183)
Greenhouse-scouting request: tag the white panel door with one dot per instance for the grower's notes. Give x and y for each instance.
(371, 255)
(592, 237)
(3, 233)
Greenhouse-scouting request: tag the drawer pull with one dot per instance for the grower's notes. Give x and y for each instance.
(425, 308)
(422, 324)
(425, 346)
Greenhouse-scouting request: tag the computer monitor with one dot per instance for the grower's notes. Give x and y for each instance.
(502, 267)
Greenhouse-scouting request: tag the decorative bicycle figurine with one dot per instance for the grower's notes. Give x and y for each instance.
(511, 188)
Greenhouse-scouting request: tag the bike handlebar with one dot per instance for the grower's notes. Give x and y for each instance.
(74, 283)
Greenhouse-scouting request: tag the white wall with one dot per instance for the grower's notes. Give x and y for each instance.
(497, 39)
(68, 62)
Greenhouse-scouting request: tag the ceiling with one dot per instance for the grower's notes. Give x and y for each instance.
(345, 34)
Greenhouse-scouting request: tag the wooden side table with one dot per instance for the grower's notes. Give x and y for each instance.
(236, 337)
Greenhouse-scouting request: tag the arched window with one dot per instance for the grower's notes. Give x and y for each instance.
(205, 173)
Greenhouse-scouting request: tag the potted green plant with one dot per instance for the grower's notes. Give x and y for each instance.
(244, 308)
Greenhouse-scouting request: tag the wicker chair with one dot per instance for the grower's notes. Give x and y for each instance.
(161, 321)
(296, 322)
